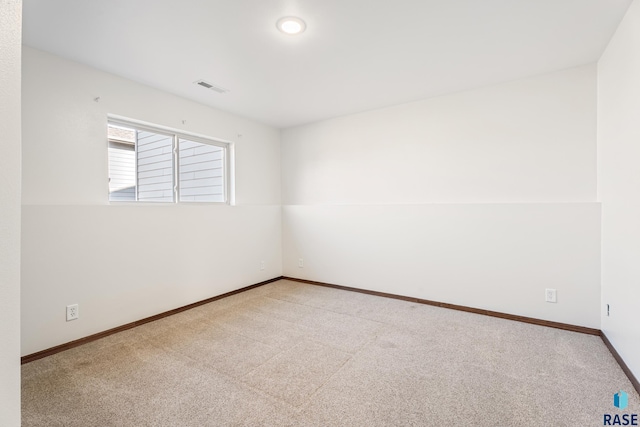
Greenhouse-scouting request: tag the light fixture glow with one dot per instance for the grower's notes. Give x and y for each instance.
(291, 25)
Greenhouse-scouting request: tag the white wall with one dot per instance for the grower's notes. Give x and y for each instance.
(167, 256)
(10, 41)
(481, 198)
(527, 141)
(495, 256)
(619, 186)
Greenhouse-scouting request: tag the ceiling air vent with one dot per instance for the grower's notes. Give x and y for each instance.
(211, 86)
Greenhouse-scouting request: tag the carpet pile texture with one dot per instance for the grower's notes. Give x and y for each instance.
(292, 354)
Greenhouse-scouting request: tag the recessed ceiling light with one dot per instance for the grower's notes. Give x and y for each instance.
(291, 25)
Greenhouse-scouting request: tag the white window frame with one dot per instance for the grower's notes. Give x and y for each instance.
(227, 147)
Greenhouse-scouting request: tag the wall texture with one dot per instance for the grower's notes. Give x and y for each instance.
(527, 141)
(619, 186)
(10, 45)
(121, 263)
(481, 198)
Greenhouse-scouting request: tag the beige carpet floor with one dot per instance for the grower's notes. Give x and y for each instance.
(291, 354)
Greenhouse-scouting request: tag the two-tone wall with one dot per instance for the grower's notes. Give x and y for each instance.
(483, 198)
(125, 262)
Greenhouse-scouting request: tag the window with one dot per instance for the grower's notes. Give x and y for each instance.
(156, 165)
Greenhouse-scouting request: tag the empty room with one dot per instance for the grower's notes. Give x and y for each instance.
(331, 213)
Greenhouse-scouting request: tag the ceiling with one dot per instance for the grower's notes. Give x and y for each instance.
(355, 55)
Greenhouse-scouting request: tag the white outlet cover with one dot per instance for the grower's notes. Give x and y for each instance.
(300, 263)
(73, 312)
(551, 295)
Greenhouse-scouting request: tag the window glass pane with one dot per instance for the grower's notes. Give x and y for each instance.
(142, 166)
(122, 168)
(155, 166)
(201, 172)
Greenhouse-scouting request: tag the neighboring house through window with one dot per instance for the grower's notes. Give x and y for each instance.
(156, 165)
(122, 157)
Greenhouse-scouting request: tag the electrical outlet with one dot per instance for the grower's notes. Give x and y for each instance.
(261, 265)
(73, 312)
(550, 295)
(607, 310)
(300, 263)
